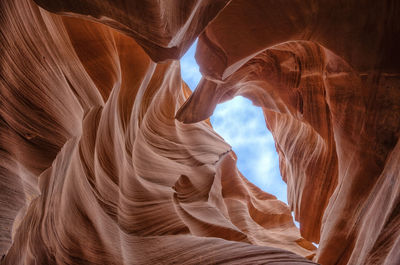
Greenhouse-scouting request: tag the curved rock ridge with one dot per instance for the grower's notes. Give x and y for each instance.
(352, 29)
(165, 29)
(330, 96)
(95, 169)
(108, 158)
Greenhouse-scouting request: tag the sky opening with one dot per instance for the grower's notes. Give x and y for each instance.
(242, 125)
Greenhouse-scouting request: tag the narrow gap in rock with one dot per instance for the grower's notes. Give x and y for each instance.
(242, 125)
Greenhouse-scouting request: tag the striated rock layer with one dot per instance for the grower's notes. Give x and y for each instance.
(327, 76)
(107, 158)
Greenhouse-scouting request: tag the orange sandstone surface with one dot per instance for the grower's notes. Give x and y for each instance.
(107, 157)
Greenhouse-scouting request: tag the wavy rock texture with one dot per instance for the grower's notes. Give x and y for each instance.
(107, 157)
(330, 94)
(97, 170)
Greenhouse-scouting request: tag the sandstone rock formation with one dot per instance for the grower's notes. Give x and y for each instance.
(107, 157)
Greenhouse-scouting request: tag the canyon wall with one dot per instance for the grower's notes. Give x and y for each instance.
(108, 158)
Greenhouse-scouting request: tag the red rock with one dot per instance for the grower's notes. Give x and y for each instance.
(332, 104)
(105, 174)
(96, 166)
(165, 30)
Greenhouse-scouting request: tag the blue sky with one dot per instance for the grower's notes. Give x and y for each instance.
(242, 125)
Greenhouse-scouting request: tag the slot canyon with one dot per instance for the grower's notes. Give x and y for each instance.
(107, 156)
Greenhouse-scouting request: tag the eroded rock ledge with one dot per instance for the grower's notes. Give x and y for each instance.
(106, 157)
